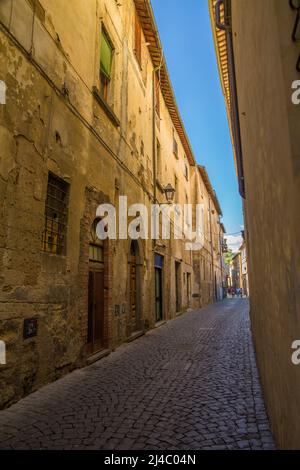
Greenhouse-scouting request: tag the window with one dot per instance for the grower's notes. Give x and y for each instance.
(186, 172)
(56, 209)
(176, 189)
(106, 55)
(138, 39)
(157, 102)
(175, 146)
(96, 250)
(158, 159)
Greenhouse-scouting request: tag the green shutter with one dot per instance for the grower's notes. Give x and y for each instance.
(106, 55)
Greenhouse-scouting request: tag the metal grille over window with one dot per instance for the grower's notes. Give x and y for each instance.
(54, 235)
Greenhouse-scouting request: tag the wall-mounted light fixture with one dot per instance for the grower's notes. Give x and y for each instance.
(170, 193)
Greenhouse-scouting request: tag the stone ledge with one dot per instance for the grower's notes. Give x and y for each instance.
(135, 335)
(97, 356)
(107, 109)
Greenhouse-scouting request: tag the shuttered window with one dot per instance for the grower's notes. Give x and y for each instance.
(106, 57)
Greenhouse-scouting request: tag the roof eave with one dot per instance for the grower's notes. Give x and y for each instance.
(148, 23)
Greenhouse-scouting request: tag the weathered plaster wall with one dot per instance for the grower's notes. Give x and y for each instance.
(53, 122)
(265, 66)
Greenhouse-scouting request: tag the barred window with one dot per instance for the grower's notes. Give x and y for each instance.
(56, 214)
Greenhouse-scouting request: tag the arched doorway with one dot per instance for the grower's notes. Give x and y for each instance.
(134, 286)
(95, 337)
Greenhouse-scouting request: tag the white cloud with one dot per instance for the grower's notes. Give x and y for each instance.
(234, 242)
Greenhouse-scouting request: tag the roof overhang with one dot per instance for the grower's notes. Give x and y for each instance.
(221, 52)
(210, 189)
(148, 23)
(225, 59)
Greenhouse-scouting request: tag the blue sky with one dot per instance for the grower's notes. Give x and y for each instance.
(185, 32)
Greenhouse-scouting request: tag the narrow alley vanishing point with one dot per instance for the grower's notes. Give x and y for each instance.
(190, 384)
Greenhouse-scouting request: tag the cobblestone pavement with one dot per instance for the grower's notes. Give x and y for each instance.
(190, 384)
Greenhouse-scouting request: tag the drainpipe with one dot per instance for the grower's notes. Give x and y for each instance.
(234, 111)
(154, 133)
(154, 157)
(154, 147)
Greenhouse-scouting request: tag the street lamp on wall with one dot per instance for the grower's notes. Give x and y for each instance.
(170, 193)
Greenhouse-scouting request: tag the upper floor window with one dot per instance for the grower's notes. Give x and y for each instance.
(138, 39)
(158, 160)
(186, 172)
(176, 188)
(175, 145)
(56, 214)
(157, 98)
(106, 56)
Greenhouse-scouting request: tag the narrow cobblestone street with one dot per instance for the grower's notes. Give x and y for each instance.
(190, 384)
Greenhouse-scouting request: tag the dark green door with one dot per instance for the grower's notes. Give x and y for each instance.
(158, 294)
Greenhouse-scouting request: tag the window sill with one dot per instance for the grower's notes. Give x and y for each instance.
(107, 109)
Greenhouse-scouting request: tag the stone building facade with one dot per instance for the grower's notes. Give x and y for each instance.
(258, 50)
(90, 116)
(236, 271)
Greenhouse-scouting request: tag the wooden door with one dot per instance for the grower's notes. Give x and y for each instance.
(133, 293)
(96, 311)
(177, 286)
(188, 288)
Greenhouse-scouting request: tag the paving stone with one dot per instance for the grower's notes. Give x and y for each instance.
(190, 384)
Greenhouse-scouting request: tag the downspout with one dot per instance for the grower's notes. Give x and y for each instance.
(154, 133)
(154, 166)
(154, 156)
(234, 108)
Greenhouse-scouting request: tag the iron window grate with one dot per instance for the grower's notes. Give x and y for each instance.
(56, 213)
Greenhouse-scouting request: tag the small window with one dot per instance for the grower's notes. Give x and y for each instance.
(175, 146)
(186, 172)
(56, 209)
(157, 98)
(106, 56)
(158, 160)
(138, 39)
(176, 189)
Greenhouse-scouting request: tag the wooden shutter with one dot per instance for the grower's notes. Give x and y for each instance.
(106, 55)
